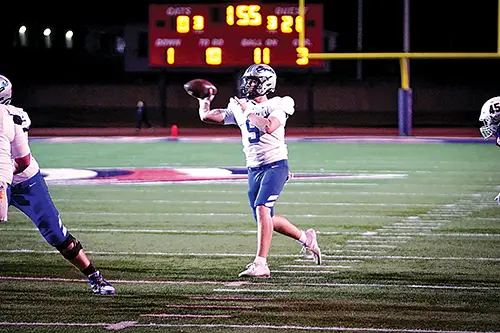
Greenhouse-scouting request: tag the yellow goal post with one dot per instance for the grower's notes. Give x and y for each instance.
(402, 56)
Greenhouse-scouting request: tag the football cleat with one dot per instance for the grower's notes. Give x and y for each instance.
(254, 269)
(99, 285)
(311, 245)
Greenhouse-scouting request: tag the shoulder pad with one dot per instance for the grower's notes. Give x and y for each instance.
(288, 101)
(287, 104)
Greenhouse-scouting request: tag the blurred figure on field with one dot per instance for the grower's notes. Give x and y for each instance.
(142, 116)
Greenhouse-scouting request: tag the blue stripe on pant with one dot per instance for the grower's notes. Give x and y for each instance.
(265, 184)
(32, 197)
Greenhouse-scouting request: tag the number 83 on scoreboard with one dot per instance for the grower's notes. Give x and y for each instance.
(233, 35)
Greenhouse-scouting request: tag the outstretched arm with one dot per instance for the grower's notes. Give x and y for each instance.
(207, 115)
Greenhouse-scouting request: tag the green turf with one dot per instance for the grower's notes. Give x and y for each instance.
(415, 253)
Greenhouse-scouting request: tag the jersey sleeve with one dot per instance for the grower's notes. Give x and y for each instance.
(229, 118)
(20, 146)
(283, 108)
(280, 114)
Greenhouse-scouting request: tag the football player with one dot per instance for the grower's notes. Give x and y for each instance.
(490, 116)
(30, 194)
(262, 123)
(11, 137)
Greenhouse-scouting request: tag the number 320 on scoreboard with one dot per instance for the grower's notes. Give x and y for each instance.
(236, 35)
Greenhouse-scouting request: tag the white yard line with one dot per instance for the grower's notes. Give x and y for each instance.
(248, 283)
(376, 238)
(222, 202)
(238, 255)
(286, 328)
(329, 193)
(215, 214)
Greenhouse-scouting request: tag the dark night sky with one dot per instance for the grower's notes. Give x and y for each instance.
(436, 25)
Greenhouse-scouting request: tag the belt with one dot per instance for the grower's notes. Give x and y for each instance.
(269, 165)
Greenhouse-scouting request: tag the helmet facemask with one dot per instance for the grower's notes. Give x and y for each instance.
(490, 127)
(254, 86)
(258, 80)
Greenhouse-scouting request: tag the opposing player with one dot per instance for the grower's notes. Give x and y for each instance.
(490, 116)
(30, 194)
(262, 123)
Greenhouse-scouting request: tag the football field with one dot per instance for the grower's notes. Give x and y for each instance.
(409, 231)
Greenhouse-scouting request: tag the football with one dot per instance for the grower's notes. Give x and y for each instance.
(200, 88)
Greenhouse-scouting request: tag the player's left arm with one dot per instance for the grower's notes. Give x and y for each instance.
(20, 150)
(267, 125)
(283, 109)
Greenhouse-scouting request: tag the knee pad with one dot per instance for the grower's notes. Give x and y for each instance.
(72, 253)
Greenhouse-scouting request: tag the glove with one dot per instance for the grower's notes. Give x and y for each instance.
(497, 199)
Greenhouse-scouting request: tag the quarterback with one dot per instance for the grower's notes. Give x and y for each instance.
(262, 123)
(490, 116)
(30, 194)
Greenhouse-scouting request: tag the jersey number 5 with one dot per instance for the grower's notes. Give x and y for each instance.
(254, 133)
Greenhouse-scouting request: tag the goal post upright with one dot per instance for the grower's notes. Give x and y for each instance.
(404, 102)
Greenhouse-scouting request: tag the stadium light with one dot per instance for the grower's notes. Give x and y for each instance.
(23, 40)
(48, 41)
(69, 39)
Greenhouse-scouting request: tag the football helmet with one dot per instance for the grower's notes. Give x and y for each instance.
(258, 80)
(5, 90)
(490, 116)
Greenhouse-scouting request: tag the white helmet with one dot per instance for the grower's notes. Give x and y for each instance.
(258, 80)
(490, 116)
(5, 90)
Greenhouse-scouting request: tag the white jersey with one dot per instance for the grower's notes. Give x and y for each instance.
(20, 147)
(11, 136)
(259, 147)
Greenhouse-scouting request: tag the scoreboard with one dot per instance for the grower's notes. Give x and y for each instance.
(234, 35)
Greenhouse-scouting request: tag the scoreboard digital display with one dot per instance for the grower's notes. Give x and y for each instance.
(234, 35)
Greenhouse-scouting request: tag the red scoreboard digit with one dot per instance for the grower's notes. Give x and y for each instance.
(233, 35)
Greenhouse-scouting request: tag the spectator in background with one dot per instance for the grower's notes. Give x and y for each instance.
(142, 116)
